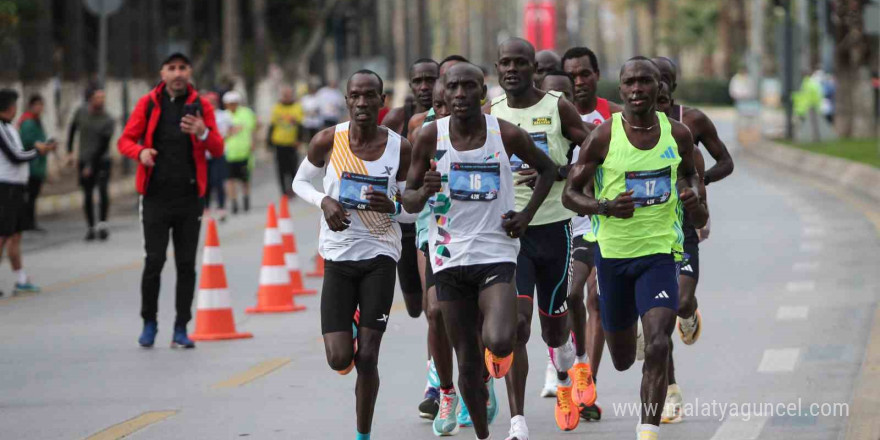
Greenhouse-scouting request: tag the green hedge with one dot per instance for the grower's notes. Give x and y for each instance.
(694, 91)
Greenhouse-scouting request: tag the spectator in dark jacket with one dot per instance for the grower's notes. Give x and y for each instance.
(168, 132)
(31, 128)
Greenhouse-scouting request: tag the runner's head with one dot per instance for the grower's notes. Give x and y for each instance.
(516, 65)
(96, 98)
(547, 61)
(664, 99)
(583, 67)
(364, 97)
(422, 75)
(668, 72)
(176, 72)
(559, 81)
(464, 90)
(231, 100)
(450, 61)
(287, 95)
(441, 110)
(639, 81)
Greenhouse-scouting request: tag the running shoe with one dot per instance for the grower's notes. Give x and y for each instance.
(430, 404)
(672, 407)
(180, 338)
(689, 328)
(148, 335)
(498, 366)
(492, 403)
(518, 429)
(640, 344)
(445, 424)
(27, 287)
(103, 232)
(592, 413)
(584, 388)
(551, 381)
(464, 416)
(567, 417)
(563, 356)
(91, 235)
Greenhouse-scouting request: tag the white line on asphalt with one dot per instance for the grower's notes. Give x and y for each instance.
(792, 313)
(805, 266)
(811, 247)
(739, 429)
(776, 360)
(800, 286)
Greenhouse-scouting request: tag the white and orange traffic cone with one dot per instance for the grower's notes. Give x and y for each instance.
(274, 294)
(319, 267)
(214, 318)
(291, 258)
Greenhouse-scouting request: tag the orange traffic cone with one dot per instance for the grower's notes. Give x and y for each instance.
(319, 267)
(274, 295)
(291, 258)
(214, 318)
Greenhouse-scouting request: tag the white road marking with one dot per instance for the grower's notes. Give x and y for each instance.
(805, 266)
(779, 360)
(792, 313)
(800, 286)
(738, 429)
(811, 247)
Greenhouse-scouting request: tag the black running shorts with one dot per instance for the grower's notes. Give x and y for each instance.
(365, 284)
(544, 262)
(466, 282)
(690, 264)
(582, 250)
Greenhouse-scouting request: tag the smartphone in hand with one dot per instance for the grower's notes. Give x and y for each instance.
(190, 109)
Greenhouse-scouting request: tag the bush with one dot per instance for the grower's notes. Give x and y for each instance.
(692, 91)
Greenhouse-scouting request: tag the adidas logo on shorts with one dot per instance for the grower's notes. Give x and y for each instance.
(662, 295)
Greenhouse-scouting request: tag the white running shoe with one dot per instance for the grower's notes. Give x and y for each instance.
(672, 408)
(551, 381)
(563, 356)
(640, 343)
(690, 328)
(518, 429)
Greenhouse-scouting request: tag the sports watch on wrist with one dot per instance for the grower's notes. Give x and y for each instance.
(603, 207)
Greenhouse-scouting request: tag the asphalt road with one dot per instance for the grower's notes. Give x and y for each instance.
(789, 284)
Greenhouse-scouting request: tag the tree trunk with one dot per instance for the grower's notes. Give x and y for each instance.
(231, 37)
(262, 42)
(653, 10)
(314, 41)
(35, 31)
(854, 113)
(73, 43)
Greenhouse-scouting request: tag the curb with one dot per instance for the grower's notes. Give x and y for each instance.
(853, 179)
(57, 203)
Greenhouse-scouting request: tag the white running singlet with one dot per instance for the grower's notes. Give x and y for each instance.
(347, 179)
(580, 225)
(465, 227)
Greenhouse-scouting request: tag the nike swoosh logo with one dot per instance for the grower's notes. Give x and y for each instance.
(489, 280)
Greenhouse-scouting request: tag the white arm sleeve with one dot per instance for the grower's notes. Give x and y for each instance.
(303, 186)
(402, 215)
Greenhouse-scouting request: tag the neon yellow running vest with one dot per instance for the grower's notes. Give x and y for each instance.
(542, 122)
(655, 227)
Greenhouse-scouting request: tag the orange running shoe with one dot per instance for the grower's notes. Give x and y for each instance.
(567, 414)
(584, 389)
(498, 367)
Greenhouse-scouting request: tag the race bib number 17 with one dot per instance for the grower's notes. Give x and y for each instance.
(649, 187)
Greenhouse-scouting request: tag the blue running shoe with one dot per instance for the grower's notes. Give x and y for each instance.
(430, 404)
(180, 339)
(492, 404)
(445, 424)
(464, 416)
(148, 336)
(433, 377)
(25, 288)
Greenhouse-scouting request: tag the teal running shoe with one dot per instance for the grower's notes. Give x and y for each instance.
(445, 424)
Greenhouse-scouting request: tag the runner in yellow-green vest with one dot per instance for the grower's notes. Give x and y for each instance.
(642, 167)
(544, 257)
(239, 149)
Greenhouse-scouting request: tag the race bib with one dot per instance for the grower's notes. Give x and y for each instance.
(479, 182)
(540, 140)
(353, 189)
(649, 187)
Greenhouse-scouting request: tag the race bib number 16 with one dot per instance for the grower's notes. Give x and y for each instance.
(477, 182)
(649, 187)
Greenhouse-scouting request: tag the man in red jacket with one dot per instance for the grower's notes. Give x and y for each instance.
(168, 133)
